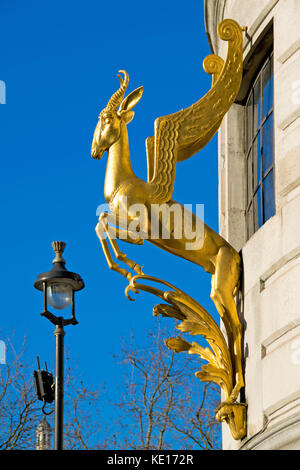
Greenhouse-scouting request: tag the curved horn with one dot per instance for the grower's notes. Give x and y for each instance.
(117, 97)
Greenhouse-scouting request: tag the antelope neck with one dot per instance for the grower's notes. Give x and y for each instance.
(118, 164)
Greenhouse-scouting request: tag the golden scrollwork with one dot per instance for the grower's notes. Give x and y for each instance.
(194, 319)
(177, 136)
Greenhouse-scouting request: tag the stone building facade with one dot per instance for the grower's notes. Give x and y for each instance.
(259, 212)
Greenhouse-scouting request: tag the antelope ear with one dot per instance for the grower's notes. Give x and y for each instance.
(127, 116)
(132, 99)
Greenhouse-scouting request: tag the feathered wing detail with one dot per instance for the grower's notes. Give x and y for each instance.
(213, 65)
(180, 135)
(166, 133)
(165, 158)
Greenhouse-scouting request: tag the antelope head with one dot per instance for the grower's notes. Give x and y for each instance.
(111, 119)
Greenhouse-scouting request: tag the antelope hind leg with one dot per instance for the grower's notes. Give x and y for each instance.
(224, 282)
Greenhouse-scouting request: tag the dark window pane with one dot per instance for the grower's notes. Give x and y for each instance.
(249, 122)
(250, 178)
(267, 144)
(250, 225)
(257, 210)
(267, 85)
(268, 189)
(257, 104)
(256, 161)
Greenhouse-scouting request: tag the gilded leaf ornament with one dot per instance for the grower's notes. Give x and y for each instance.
(194, 319)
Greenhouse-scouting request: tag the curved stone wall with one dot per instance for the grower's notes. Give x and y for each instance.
(270, 300)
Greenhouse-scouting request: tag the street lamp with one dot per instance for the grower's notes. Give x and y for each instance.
(59, 286)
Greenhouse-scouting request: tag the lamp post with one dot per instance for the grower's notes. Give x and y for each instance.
(59, 286)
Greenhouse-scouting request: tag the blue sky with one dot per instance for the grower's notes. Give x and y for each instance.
(59, 62)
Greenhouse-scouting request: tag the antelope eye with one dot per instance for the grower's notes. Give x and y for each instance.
(106, 118)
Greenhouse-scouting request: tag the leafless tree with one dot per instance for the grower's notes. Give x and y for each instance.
(84, 426)
(20, 410)
(163, 405)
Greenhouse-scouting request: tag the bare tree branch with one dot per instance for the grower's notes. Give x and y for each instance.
(163, 404)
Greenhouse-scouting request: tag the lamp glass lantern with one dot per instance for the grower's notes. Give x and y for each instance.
(59, 286)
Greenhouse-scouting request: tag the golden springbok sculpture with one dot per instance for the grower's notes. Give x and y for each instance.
(177, 137)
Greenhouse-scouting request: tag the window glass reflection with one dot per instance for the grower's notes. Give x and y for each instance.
(268, 189)
(268, 144)
(267, 86)
(257, 161)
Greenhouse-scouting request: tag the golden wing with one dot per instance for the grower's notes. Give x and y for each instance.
(180, 135)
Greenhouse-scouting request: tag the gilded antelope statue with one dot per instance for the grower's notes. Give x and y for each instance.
(177, 137)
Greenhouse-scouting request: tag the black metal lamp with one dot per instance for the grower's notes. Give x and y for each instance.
(59, 286)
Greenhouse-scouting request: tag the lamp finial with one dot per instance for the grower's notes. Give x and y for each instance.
(58, 248)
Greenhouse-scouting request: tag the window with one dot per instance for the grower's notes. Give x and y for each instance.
(260, 203)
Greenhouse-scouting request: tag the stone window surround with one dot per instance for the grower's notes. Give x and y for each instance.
(258, 185)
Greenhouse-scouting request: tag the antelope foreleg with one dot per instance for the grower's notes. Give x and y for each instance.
(121, 233)
(105, 229)
(111, 264)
